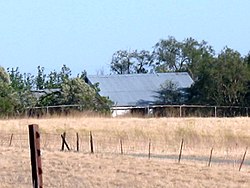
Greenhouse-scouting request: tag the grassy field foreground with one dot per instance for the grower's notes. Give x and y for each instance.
(228, 136)
(221, 133)
(62, 169)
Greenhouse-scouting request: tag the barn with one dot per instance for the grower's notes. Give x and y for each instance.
(136, 91)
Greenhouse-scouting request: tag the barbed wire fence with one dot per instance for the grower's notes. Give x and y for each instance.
(151, 110)
(109, 144)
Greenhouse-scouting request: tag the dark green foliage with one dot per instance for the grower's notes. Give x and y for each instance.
(21, 85)
(247, 97)
(77, 91)
(124, 62)
(222, 79)
(7, 101)
(17, 80)
(8, 97)
(40, 78)
(167, 56)
(169, 94)
(4, 77)
(173, 56)
(52, 80)
(17, 91)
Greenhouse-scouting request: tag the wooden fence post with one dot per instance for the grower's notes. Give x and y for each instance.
(182, 142)
(149, 149)
(11, 137)
(121, 146)
(77, 142)
(243, 159)
(91, 142)
(210, 158)
(63, 136)
(35, 155)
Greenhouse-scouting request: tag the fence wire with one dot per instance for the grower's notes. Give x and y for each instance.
(108, 144)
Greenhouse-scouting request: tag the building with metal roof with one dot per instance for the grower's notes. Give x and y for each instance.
(42, 92)
(137, 89)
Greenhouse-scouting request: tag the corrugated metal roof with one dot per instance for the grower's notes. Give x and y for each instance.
(39, 93)
(137, 89)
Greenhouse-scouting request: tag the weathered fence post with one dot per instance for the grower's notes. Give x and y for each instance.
(182, 142)
(149, 149)
(243, 159)
(77, 142)
(180, 111)
(35, 155)
(91, 142)
(121, 146)
(210, 158)
(11, 137)
(63, 136)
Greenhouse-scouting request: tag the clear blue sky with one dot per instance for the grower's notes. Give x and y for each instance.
(84, 34)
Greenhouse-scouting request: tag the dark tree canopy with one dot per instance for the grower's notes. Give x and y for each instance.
(17, 91)
(173, 56)
(222, 80)
(135, 62)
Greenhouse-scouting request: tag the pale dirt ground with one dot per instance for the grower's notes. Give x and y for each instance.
(228, 136)
(64, 169)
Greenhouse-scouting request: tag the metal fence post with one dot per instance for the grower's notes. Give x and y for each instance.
(180, 111)
(35, 155)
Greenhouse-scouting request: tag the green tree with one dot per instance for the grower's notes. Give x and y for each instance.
(16, 79)
(40, 78)
(8, 98)
(193, 54)
(64, 74)
(22, 85)
(135, 62)
(222, 80)
(231, 78)
(4, 76)
(52, 80)
(121, 62)
(142, 61)
(169, 93)
(202, 91)
(173, 56)
(76, 91)
(247, 97)
(166, 54)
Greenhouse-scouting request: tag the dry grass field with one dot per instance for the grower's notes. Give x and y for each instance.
(107, 168)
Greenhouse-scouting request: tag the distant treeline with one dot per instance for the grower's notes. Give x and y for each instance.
(219, 79)
(22, 91)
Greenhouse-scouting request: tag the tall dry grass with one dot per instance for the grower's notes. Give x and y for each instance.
(223, 134)
(228, 137)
